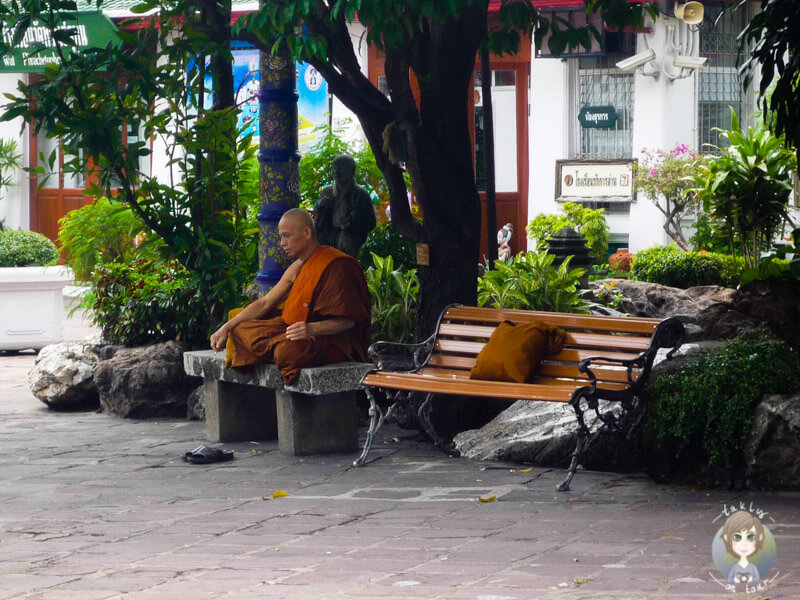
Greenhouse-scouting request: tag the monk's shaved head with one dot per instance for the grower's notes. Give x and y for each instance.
(299, 218)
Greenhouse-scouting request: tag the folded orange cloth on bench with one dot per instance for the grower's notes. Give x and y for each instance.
(514, 352)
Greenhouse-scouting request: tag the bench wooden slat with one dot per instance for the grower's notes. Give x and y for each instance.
(463, 364)
(452, 361)
(583, 340)
(640, 325)
(438, 384)
(569, 355)
(540, 379)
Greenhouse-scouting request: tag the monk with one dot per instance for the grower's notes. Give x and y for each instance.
(326, 317)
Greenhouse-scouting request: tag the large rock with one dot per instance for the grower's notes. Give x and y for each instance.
(545, 433)
(644, 299)
(62, 375)
(776, 304)
(772, 452)
(145, 382)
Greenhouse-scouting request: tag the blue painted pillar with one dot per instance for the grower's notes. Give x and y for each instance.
(278, 157)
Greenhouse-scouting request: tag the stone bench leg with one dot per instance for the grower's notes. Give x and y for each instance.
(239, 413)
(310, 424)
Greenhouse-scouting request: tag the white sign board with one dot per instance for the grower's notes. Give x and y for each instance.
(594, 180)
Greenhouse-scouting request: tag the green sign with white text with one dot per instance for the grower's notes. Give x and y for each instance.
(37, 47)
(597, 117)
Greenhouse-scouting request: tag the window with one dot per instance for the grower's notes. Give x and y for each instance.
(600, 83)
(720, 86)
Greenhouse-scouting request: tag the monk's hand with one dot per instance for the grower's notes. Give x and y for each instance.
(299, 331)
(219, 338)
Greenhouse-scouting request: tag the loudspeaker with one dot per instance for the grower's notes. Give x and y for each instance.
(690, 13)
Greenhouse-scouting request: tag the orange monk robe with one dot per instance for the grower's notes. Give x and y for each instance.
(330, 285)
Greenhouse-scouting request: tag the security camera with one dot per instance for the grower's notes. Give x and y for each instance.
(637, 60)
(691, 62)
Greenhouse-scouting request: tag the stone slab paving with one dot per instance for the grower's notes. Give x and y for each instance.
(93, 507)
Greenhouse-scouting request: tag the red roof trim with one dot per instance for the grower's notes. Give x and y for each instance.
(494, 5)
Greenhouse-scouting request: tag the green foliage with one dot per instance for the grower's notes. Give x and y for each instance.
(26, 249)
(316, 166)
(384, 240)
(9, 161)
(153, 82)
(146, 302)
(394, 300)
(748, 187)
(713, 235)
(703, 413)
(772, 267)
(670, 266)
(667, 179)
(589, 222)
(98, 233)
(531, 282)
(772, 38)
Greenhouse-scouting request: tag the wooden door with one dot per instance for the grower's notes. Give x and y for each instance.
(53, 193)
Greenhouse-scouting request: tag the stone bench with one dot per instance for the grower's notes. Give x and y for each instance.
(317, 415)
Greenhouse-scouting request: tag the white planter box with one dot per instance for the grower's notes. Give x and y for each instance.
(32, 306)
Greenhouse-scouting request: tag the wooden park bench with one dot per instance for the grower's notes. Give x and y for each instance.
(603, 359)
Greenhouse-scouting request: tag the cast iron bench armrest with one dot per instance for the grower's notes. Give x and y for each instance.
(628, 363)
(394, 356)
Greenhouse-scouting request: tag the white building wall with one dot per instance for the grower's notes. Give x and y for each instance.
(664, 116)
(14, 200)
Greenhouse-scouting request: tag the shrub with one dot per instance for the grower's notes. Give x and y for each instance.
(394, 295)
(620, 261)
(98, 233)
(385, 240)
(531, 282)
(146, 302)
(589, 222)
(701, 415)
(26, 249)
(670, 266)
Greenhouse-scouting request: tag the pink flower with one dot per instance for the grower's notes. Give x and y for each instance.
(653, 172)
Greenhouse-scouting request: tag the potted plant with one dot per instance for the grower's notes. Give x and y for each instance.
(31, 291)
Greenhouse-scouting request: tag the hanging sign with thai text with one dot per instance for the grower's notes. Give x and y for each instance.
(37, 48)
(597, 117)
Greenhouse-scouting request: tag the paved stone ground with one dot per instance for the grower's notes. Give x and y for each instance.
(94, 507)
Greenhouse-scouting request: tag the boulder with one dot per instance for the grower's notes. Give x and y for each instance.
(772, 452)
(545, 433)
(644, 299)
(196, 404)
(62, 375)
(722, 322)
(145, 382)
(775, 303)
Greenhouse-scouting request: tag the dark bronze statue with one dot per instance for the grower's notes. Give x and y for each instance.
(344, 214)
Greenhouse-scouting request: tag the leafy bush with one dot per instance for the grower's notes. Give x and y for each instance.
(394, 295)
(531, 282)
(670, 266)
(620, 261)
(315, 166)
(385, 240)
(26, 249)
(589, 222)
(98, 233)
(749, 186)
(702, 413)
(146, 302)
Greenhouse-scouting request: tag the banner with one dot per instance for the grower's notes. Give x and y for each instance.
(37, 48)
